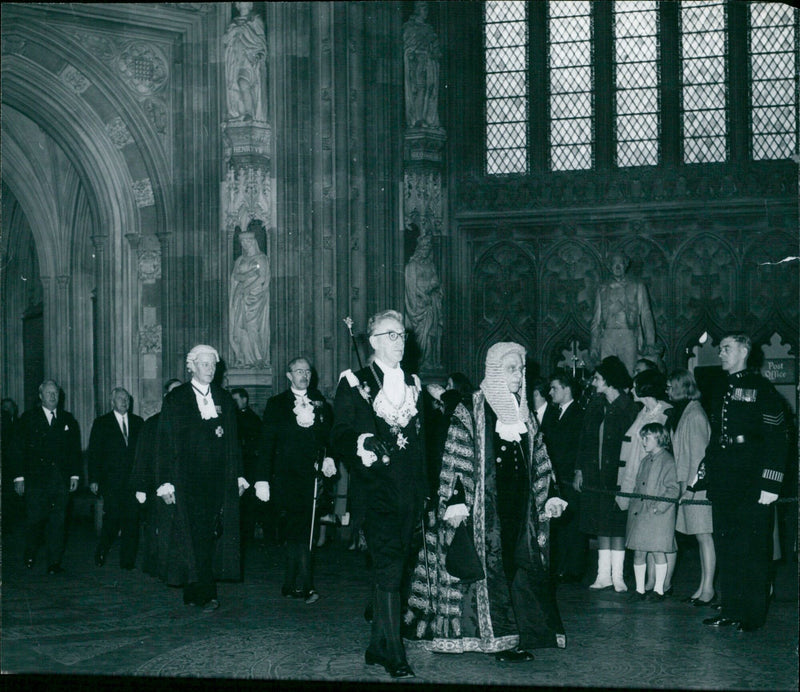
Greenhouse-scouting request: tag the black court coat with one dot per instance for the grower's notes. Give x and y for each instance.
(287, 456)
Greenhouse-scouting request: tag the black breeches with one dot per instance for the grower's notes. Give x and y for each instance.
(389, 537)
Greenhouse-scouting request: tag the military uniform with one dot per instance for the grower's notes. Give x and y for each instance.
(746, 454)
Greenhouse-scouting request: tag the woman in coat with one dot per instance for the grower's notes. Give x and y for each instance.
(605, 422)
(689, 442)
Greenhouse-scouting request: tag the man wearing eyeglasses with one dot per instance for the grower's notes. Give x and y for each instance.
(294, 438)
(378, 431)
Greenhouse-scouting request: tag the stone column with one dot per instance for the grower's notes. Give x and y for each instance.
(103, 309)
(423, 150)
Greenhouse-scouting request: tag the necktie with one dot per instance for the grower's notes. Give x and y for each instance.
(125, 431)
(52, 418)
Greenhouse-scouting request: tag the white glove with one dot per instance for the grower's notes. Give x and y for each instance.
(243, 485)
(555, 507)
(455, 514)
(328, 467)
(166, 491)
(436, 391)
(368, 458)
(140, 497)
(262, 491)
(767, 498)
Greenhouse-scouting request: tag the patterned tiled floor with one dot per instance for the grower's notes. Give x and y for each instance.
(106, 621)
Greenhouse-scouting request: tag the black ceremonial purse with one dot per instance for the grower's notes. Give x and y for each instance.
(462, 560)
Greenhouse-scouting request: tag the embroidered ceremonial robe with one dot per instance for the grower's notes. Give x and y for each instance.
(506, 485)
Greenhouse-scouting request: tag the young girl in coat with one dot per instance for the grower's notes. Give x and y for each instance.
(651, 523)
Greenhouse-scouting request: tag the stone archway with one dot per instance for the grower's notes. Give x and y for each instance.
(88, 251)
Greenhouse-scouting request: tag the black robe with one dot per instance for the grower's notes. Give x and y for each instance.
(202, 459)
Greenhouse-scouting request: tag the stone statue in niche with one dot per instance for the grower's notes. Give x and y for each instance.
(246, 65)
(422, 54)
(424, 302)
(623, 323)
(249, 305)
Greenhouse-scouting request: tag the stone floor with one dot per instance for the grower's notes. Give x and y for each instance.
(94, 621)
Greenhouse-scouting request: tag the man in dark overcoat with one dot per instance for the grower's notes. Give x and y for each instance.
(561, 433)
(378, 431)
(199, 475)
(47, 457)
(294, 440)
(112, 449)
(744, 466)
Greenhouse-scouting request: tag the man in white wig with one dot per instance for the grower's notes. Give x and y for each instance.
(496, 469)
(199, 477)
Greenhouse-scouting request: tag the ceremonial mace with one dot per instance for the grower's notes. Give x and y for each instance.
(349, 322)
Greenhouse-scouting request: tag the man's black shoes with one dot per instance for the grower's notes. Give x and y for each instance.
(55, 569)
(515, 655)
(720, 621)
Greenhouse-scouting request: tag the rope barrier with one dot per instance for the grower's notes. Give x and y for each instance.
(674, 500)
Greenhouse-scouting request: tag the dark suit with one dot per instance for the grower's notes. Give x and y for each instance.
(111, 460)
(47, 456)
(561, 437)
(202, 460)
(287, 458)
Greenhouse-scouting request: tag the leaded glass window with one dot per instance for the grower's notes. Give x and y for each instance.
(636, 82)
(704, 93)
(773, 88)
(506, 51)
(571, 85)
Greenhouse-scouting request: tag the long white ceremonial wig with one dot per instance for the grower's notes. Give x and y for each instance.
(199, 350)
(511, 416)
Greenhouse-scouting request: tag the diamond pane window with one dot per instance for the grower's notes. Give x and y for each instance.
(704, 91)
(773, 88)
(506, 36)
(636, 82)
(571, 85)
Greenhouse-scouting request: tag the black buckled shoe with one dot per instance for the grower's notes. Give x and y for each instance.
(515, 655)
(719, 621)
(401, 669)
(28, 562)
(211, 605)
(743, 627)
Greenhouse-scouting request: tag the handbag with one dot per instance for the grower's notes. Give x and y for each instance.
(462, 560)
